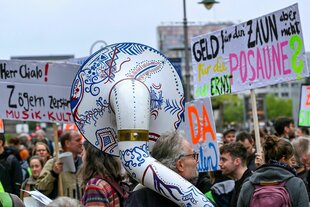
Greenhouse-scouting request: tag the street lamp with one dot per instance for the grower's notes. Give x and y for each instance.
(208, 4)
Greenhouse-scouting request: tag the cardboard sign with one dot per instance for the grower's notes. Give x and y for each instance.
(1, 126)
(201, 133)
(32, 102)
(43, 73)
(36, 91)
(260, 52)
(304, 109)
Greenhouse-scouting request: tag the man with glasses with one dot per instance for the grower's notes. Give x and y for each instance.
(176, 153)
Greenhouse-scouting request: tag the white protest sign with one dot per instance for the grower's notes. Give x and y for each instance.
(43, 73)
(33, 102)
(36, 91)
(201, 133)
(304, 109)
(1, 126)
(67, 161)
(38, 196)
(260, 52)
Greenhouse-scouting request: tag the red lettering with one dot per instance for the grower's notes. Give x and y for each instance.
(59, 116)
(50, 116)
(25, 115)
(37, 115)
(308, 96)
(9, 113)
(69, 116)
(205, 126)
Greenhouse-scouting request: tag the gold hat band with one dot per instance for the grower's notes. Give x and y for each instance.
(133, 135)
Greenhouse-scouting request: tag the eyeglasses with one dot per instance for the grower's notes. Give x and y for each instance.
(194, 155)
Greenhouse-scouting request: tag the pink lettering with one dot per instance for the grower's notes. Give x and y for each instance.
(251, 54)
(260, 63)
(275, 51)
(50, 116)
(233, 68)
(243, 60)
(284, 57)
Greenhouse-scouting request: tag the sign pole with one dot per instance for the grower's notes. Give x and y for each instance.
(60, 187)
(255, 121)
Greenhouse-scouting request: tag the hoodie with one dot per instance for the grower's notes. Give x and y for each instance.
(274, 172)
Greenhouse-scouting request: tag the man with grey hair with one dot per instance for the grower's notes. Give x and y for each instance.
(302, 160)
(176, 153)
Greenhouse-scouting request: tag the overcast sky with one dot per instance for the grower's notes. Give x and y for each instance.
(70, 27)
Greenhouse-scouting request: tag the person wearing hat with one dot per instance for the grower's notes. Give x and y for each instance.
(229, 136)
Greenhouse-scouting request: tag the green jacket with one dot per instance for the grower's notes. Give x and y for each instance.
(47, 183)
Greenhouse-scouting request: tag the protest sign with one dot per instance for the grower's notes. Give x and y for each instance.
(304, 109)
(32, 102)
(260, 52)
(36, 91)
(43, 73)
(201, 133)
(1, 126)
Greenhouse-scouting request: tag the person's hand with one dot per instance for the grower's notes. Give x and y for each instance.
(57, 167)
(259, 161)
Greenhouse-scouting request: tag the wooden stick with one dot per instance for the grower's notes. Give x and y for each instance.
(255, 121)
(60, 187)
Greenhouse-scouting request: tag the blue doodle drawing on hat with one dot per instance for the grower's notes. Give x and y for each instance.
(172, 190)
(172, 106)
(91, 116)
(134, 157)
(106, 139)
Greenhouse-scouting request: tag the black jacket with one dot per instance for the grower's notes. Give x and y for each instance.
(238, 185)
(10, 172)
(146, 197)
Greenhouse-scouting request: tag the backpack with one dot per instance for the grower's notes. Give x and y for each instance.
(24, 166)
(220, 193)
(5, 173)
(270, 194)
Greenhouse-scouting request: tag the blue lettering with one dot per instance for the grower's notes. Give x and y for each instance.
(205, 161)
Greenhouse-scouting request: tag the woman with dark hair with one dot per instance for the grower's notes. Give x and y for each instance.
(277, 171)
(101, 178)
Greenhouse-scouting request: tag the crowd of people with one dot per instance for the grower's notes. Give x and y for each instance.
(99, 179)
